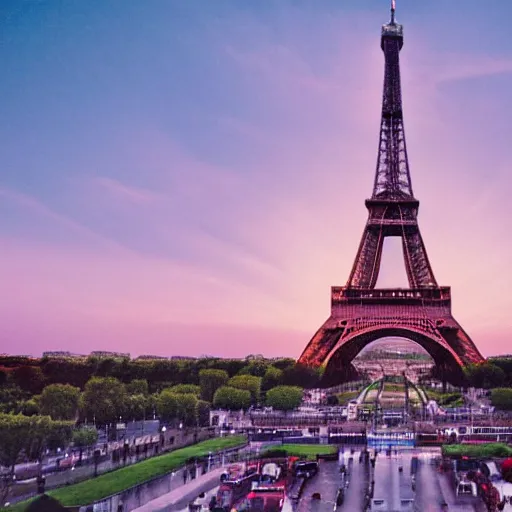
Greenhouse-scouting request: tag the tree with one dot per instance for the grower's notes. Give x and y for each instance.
(85, 437)
(203, 413)
(104, 399)
(167, 405)
(10, 398)
(187, 408)
(46, 433)
(193, 389)
(485, 375)
(210, 381)
(14, 433)
(505, 363)
(28, 378)
(272, 378)
(29, 407)
(136, 406)
(31, 435)
(284, 398)
(301, 375)
(230, 398)
(138, 387)
(249, 383)
(256, 367)
(59, 401)
(501, 398)
(3, 378)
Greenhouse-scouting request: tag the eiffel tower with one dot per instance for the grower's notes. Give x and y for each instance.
(361, 313)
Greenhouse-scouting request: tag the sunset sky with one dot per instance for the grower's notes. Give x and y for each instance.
(188, 177)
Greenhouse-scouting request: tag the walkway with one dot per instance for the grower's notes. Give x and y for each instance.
(176, 499)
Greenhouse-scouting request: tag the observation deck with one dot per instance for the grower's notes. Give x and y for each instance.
(438, 295)
(392, 31)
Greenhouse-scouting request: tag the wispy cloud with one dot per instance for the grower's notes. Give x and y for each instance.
(133, 194)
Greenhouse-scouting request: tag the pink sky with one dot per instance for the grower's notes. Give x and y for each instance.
(138, 219)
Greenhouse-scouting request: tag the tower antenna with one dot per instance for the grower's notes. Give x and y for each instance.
(393, 8)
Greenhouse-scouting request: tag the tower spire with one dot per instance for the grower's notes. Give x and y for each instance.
(393, 8)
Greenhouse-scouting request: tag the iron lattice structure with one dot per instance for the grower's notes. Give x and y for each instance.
(360, 313)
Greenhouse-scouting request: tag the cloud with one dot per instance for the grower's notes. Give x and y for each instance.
(133, 194)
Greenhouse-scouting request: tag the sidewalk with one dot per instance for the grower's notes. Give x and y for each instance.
(180, 497)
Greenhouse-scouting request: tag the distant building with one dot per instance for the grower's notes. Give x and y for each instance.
(102, 353)
(190, 358)
(147, 357)
(62, 354)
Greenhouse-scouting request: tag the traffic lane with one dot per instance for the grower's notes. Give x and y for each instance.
(326, 483)
(385, 478)
(357, 485)
(458, 503)
(429, 497)
(433, 489)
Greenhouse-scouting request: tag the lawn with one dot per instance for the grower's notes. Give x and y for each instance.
(346, 396)
(116, 481)
(393, 387)
(306, 451)
(477, 450)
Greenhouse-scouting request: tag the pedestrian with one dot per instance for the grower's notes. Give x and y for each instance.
(184, 476)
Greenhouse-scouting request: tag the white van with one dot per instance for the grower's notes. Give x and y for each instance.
(466, 488)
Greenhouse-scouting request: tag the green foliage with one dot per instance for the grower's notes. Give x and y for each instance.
(14, 433)
(304, 451)
(28, 378)
(501, 398)
(249, 383)
(230, 398)
(59, 401)
(203, 413)
(284, 398)
(485, 375)
(301, 375)
(138, 387)
(477, 451)
(29, 407)
(136, 406)
(187, 408)
(104, 399)
(114, 482)
(272, 378)
(46, 433)
(167, 405)
(505, 363)
(210, 381)
(283, 363)
(85, 437)
(10, 398)
(256, 367)
(192, 389)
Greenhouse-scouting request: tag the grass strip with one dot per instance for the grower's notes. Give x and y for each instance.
(477, 450)
(306, 451)
(105, 485)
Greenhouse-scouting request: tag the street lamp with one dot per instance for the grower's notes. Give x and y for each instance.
(209, 461)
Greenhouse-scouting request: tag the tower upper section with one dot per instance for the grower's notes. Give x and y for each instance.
(392, 178)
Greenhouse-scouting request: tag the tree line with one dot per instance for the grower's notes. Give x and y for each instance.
(104, 391)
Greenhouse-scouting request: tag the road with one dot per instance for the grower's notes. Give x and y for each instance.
(357, 485)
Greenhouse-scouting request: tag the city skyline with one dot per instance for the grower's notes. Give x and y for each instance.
(191, 179)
